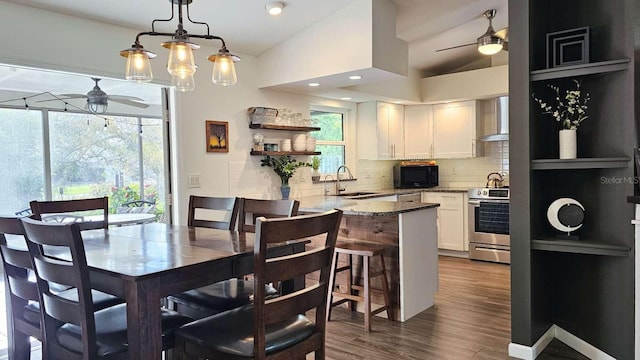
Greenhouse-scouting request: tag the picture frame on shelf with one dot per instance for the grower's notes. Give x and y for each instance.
(271, 147)
(217, 136)
(568, 47)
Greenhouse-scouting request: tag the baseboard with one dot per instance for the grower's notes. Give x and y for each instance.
(531, 352)
(580, 345)
(453, 253)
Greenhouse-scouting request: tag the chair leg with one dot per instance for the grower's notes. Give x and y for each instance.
(367, 294)
(386, 290)
(331, 285)
(352, 304)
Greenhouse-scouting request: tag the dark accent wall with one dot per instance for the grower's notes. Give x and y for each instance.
(591, 296)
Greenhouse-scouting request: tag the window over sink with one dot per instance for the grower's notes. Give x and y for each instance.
(331, 138)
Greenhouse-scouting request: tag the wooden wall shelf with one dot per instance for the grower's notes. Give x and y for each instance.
(279, 153)
(580, 163)
(283, 127)
(580, 247)
(580, 70)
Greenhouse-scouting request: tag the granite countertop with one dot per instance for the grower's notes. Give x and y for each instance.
(353, 206)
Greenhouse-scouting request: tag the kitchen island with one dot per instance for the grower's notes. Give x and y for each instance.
(412, 269)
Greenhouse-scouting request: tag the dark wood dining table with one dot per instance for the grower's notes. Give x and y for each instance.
(145, 263)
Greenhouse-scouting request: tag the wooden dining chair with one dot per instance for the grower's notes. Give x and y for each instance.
(273, 328)
(251, 209)
(85, 333)
(39, 208)
(22, 293)
(230, 205)
(232, 293)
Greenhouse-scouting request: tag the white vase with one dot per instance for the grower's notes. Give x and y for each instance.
(568, 144)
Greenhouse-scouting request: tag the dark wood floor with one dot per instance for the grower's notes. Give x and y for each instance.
(470, 320)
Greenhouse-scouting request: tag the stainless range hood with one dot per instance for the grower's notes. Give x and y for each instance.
(502, 121)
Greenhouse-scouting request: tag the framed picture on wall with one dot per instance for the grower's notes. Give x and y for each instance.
(217, 136)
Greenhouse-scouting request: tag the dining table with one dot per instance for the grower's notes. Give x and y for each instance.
(145, 263)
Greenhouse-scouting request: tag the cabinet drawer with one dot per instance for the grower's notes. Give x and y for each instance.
(446, 200)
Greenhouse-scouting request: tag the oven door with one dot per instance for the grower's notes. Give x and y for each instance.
(489, 222)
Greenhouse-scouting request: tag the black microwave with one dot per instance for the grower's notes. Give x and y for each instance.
(415, 176)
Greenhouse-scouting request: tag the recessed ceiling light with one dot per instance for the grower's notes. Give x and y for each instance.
(314, 84)
(274, 8)
(355, 77)
(345, 98)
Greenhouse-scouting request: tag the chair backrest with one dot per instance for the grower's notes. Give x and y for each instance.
(24, 212)
(39, 208)
(17, 266)
(63, 239)
(230, 205)
(275, 269)
(266, 208)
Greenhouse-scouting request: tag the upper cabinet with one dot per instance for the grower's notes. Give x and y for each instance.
(380, 131)
(454, 130)
(442, 131)
(418, 132)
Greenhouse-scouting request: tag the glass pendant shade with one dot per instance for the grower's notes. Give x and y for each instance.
(183, 81)
(224, 71)
(181, 59)
(138, 67)
(96, 108)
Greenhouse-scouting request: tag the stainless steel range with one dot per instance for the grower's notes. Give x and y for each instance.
(489, 225)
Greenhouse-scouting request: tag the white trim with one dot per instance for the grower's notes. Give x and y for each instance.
(580, 345)
(531, 352)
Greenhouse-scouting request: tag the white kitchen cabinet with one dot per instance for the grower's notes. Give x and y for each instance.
(454, 130)
(452, 219)
(418, 132)
(380, 131)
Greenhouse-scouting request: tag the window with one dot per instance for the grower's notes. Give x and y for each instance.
(21, 158)
(330, 139)
(84, 156)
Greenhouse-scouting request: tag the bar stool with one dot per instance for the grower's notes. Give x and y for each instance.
(366, 251)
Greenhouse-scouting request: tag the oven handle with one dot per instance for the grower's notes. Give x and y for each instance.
(474, 202)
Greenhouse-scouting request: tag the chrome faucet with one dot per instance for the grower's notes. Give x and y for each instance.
(338, 189)
(326, 191)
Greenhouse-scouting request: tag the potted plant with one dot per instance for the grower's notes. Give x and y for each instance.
(315, 165)
(285, 167)
(570, 110)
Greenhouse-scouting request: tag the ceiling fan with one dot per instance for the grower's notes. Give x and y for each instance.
(97, 99)
(491, 42)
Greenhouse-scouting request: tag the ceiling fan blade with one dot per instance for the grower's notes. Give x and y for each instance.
(73, 96)
(63, 97)
(502, 33)
(455, 47)
(130, 103)
(124, 97)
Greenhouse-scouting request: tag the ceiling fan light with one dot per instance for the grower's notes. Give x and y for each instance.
(489, 44)
(224, 70)
(183, 82)
(96, 107)
(180, 57)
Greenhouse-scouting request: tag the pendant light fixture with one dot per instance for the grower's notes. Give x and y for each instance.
(181, 63)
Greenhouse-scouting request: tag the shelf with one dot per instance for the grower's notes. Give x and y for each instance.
(580, 247)
(580, 70)
(283, 127)
(580, 163)
(279, 153)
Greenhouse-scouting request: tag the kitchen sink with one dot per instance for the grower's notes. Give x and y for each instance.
(357, 193)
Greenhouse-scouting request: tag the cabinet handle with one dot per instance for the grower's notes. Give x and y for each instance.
(473, 148)
(431, 151)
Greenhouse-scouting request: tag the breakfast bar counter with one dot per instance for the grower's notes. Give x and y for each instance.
(412, 268)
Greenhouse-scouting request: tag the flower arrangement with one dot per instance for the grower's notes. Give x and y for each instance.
(570, 110)
(285, 166)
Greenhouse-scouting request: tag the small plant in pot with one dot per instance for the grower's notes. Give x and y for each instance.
(315, 165)
(285, 167)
